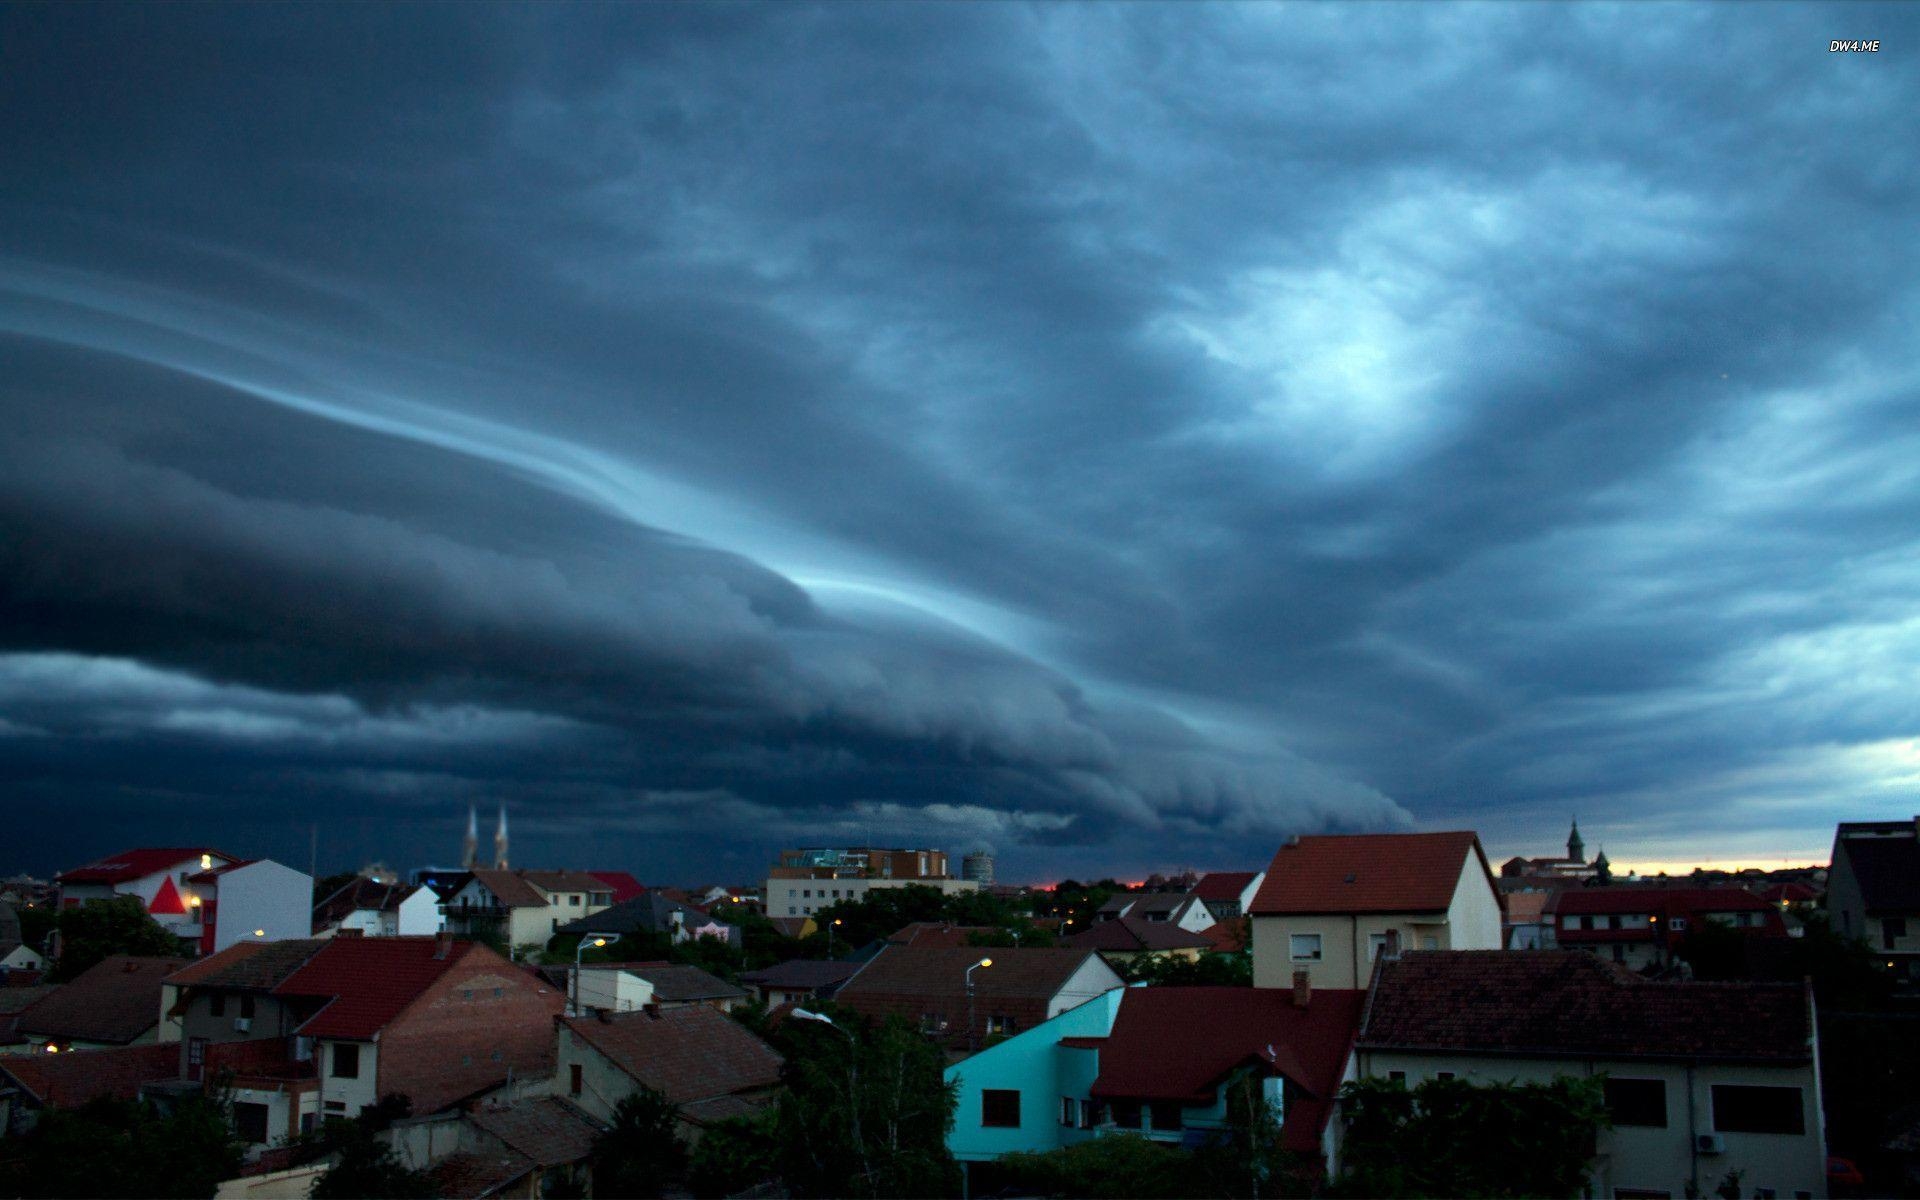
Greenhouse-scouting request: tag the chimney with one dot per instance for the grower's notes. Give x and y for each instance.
(442, 945)
(651, 1009)
(1302, 988)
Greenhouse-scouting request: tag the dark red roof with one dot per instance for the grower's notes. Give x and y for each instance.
(1227, 937)
(137, 864)
(1571, 1004)
(358, 895)
(1179, 1043)
(370, 981)
(1128, 935)
(547, 1129)
(256, 966)
(78, 1076)
(690, 1054)
(1223, 885)
(1368, 873)
(115, 1001)
(625, 887)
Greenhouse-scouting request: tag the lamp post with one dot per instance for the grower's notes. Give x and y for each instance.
(853, 1077)
(972, 1037)
(598, 940)
(835, 924)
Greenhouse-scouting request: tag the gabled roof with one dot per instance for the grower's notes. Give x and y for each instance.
(258, 966)
(936, 933)
(1136, 904)
(690, 1054)
(622, 885)
(649, 912)
(547, 1129)
(1178, 1043)
(676, 983)
(1568, 1004)
(1223, 885)
(509, 888)
(802, 973)
(1132, 934)
(213, 875)
(1369, 873)
(564, 881)
(940, 971)
(475, 1175)
(115, 1001)
(1886, 869)
(137, 864)
(360, 895)
(72, 1079)
(370, 981)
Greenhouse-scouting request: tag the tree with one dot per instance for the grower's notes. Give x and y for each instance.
(642, 1152)
(1209, 970)
(329, 884)
(115, 1148)
(1123, 1166)
(865, 1114)
(1452, 1138)
(734, 1155)
(364, 1165)
(101, 928)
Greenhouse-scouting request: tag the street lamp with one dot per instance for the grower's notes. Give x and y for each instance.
(853, 1074)
(599, 940)
(830, 928)
(972, 1037)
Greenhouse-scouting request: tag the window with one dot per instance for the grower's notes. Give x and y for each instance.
(932, 1022)
(573, 901)
(196, 1051)
(1613, 921)
(246, 1007)
(792, 911)
(308, 1121)
(1069, 1111)
(573, 1080)
(1376, 945)
(338, 1106)
(346, 1061)
(1429, 942)
(1126, 1114)
(1165, 1115)
(250, 1122)
(1305, 947)
(999, 1024)
(217, 1004)
(1619, 953)
(1637, 1102)
(1892, 929)
(806, 893)
(1678, 925)
(1743, 1108)
(999, 1108)
(1092, 1113)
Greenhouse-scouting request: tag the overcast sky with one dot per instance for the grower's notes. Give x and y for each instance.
(1122, 436)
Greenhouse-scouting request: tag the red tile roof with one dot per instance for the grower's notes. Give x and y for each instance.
(258, 966)
(690, 1054)
(357, 895)
(1129, 935)
(1178, 1043)
(369, 981)
(115, 1001)
(1569, 1004)
(214, 875)
(137, 864)
(1223, 885)
(1227, 937)
(1368, 873)
(76, 1077)
(623, 885)
(547, 1129)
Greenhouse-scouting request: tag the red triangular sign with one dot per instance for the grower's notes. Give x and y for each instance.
(166, 901)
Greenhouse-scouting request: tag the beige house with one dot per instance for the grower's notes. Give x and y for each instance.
(1702, 1079)
(1331, 905)
(526, 907)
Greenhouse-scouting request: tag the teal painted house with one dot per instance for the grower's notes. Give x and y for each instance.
(1158, 1061)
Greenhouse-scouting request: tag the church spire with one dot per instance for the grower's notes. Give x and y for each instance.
(470, 845)
(1576, 849)
(500, 841)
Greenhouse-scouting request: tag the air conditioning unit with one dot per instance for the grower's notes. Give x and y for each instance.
(1710, 1143)
(242, 1024)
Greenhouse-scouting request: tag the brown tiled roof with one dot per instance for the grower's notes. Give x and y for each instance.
(912, 981)
(692, 1053)
(470, 1176)
(1571, 1004)
(1223, 885)
(935, 933)
(1887, 870)
(509, 889)
(1177, 1043)
(546, 1129)
(115, 1001)
(676, 983)
(1368, 873)
(257, 965)
(1131, 934)
(1227, 937)
(360, 894)
(72, 1079)
(802, 973)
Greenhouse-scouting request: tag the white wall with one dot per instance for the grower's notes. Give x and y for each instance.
(1473, 919)
(419, 914)
(1093, 978)
(263, 895)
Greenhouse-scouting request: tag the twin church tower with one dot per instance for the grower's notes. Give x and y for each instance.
(470, 847)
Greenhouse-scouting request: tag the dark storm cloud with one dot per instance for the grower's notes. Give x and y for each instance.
(1124, 434)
